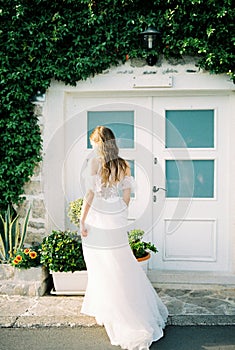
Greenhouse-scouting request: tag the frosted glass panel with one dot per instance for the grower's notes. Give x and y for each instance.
(190, 128)
(186, 178)
(121, 123)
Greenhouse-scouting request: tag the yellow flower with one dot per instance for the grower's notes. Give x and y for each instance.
(15, 261)
(26, 251)
(18, 258)
(33, 255)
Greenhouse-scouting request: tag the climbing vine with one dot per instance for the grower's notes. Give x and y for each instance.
(71, 40)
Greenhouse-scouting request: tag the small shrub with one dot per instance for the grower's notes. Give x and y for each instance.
(62, 251)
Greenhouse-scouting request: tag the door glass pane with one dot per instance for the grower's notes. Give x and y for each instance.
(190, 128)
(132, 166)
(190, 178)
(121, 123)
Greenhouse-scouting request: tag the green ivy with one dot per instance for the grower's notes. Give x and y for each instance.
(71, 40)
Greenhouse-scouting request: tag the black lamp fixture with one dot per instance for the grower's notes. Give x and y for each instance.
(149, 39)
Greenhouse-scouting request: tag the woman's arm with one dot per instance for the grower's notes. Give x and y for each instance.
(87, 201)
(126, 193)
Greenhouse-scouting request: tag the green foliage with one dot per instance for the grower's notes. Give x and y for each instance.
(62, 251)
(74, 212)
(71, 40)
(139, 247)
(20, 152)
(12, 237)
(25, 258)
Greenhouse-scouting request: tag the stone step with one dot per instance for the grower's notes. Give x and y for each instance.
(31, 282)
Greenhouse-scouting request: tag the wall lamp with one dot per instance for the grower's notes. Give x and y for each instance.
(149, 39)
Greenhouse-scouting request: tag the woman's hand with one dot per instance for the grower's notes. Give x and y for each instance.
(84, 232)
(85, 209)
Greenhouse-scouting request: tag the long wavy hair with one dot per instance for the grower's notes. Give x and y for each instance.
(112, 165)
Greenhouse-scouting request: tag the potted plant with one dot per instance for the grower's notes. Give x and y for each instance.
(12, 237)
(61, 253)
(30, 276)
(19, 265)
(140, 248)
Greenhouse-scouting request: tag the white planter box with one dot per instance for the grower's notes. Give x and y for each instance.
(69, 283)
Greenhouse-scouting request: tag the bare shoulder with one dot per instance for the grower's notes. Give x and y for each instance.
(128, 169)
(94, 165)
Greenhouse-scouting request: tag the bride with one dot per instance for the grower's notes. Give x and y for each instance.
(119, 294)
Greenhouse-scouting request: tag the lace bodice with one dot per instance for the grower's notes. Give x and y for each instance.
(110, 191)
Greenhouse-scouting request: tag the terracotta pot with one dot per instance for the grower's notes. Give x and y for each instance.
(146, 257)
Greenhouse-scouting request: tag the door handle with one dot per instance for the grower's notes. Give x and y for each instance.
(156, 189)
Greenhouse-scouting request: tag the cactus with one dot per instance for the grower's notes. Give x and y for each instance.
(11, 237)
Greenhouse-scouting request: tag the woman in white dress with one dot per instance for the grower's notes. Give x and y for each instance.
(119, 294)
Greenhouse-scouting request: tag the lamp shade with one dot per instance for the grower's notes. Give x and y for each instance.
(149, 38)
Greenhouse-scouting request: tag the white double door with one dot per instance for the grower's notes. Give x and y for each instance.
(190, 228)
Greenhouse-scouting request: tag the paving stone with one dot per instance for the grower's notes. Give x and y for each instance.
(14, 305)
(175, 307)
(7, 321)
(56, 306)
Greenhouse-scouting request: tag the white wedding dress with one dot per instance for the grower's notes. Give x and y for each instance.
(119, 294)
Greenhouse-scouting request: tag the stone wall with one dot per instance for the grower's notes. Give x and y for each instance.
(32, 282)
(34, 194)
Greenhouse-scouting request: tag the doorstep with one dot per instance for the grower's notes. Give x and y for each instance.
(186, 307)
